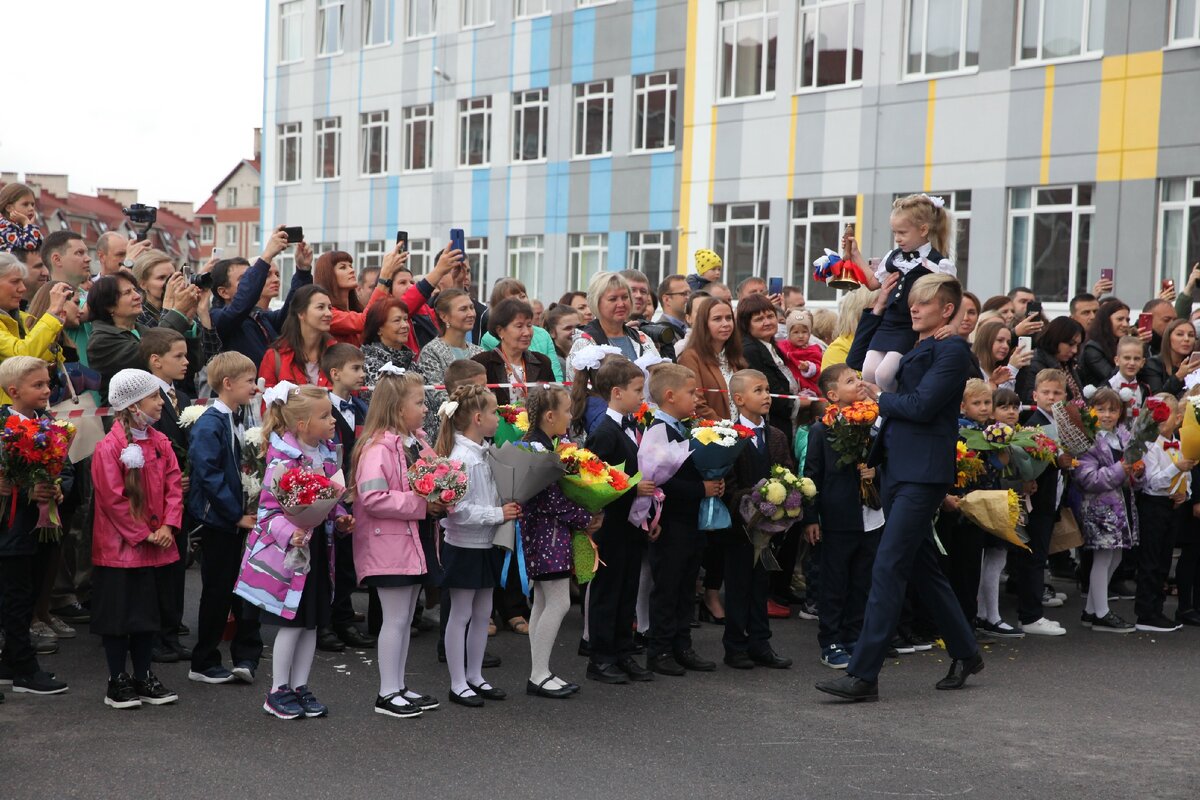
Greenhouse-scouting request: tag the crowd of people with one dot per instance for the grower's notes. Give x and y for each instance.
(361, 376)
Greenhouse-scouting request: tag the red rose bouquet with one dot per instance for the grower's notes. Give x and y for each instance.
(441, 480)
(34, 451)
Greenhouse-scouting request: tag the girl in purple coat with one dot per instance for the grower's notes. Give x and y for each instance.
(1108, 513)
(546, 524)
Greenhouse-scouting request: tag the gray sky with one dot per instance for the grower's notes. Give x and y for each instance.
(157, 95)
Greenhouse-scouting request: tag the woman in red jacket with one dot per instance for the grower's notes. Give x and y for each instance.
(296, 354)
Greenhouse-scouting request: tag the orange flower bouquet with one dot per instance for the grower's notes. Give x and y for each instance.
(849, 432)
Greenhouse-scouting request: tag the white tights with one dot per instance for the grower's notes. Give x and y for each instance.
(292, 657)
(397, 604)
(880, 369)
(1104, 564)
(551, 602)
(988, 598)
(466, 637)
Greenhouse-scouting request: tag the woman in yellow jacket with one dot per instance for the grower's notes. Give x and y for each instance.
(20, 333)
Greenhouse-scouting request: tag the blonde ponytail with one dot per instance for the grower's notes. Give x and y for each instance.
(465, 401)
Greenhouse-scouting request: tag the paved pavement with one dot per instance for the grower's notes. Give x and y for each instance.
(1085, 715)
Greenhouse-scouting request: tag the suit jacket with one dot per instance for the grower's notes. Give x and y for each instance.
(1045, 499)
(168, 423)
(839, 496)
(346, 436)
(684, 491)
(537, 369)
(714, 392)
(920, 419)
(758, 357)
(750, 468)
(610, 443)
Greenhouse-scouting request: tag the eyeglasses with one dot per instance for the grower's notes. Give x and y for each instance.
(674, 294)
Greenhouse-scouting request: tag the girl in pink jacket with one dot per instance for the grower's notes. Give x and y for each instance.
(139, 508)
(388, 519)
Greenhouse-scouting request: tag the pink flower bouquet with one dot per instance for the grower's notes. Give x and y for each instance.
(441, 480)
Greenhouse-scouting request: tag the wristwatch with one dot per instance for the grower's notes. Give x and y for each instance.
(386, 283)
(127, 263)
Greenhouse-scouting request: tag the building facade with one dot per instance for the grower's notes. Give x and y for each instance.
(229, 221)
(568, 136)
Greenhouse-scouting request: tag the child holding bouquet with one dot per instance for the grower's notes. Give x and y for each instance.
(470, 565)
(295, 596)
(389, 515)
(139, 506)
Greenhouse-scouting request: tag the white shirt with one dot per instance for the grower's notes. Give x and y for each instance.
(235, 430)
(620, 420)
(945, 265)
(1163, 478)
(347, 414)
(473, 522)
(1138, 397)
(756, 427)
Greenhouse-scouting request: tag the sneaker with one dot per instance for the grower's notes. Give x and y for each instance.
(1055, 592)
(72, 612)
(807, 610)
(121, 693)
(44, 646)
(1043, 627)
(394, 705)
(216, 674)
(61, 629)
(998, 630)
(1157, 624)
(311, 706)
(1087, 619)
(283, 703)
(39, 683)
(835, 657)
(153, 692)
(42, 630)
(902, 645)
(918, 642)
(1050, 598)
(244, 672)
(1111, 623)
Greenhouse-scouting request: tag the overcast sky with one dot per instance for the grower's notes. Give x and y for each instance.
(157, 95)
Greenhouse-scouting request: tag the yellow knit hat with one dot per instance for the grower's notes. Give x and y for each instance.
(706, 260)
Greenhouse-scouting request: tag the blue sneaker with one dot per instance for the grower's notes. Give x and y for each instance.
(311, 706)
(835, 657)
(244, 672)
(216, 674)
(283, 703)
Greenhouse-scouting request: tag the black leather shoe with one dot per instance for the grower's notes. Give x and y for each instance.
(739, 660)
(487, 691)
(585, 648)
(770, 659)
(690, 659)
(605, 673)
(183, 630)
(570, 687)
(328, 641)
(848, 687)
(956, 678)
(541, 690)
(353, 637)
(468, 700)
(490, 660)
(665, 665)
(164, 655)
(634, 670)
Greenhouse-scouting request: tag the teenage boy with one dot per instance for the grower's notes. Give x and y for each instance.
(343, 365)
(215, 501)
(847, 530)
(165, 351)
(747, 636)
(918, 435)
(23, 558)
(675, 555)
(613, 604)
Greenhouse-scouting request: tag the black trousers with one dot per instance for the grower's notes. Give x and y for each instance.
(675, 564)
(747, 628)
(345, 581)
(787, 548)
(962, 563)
(613, 605)
(170, 583)
(847, 558)
(713, 561)
(1156, 525)
(20, 581)
(221, 558)
(1028, 567)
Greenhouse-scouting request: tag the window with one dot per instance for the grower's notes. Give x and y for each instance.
(816, 225)
(286, 262)
(749, 30)
(531, 8)
(477, 258)
(525, 255)
(257, 231)
(231, 197)
(320, 248)
(650, 254)
(289, 152)
(589, 255)
(329, 27)
(831, 36)
(943, 36)
(740, 235)
(1054, 29)
(207, 233)
(376, 22)
(593, 118)
(1185, 22)
(1178, 228)
(231, 235)
(585, 3)
(654, 111)
(329, 148)
(531, 113)
(291, 41)
(257, 196)
(475, 132)
(959, 205)
(368, 255)
(476, 13)
(373, 144)
(420, 260)
(422, 18)
(1050, 238)
(418, 138)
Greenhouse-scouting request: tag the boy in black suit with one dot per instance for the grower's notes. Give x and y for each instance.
(614, 590)
(675, 555)
(747, 629)
(847, 530)
(165, 352)
(343, 365)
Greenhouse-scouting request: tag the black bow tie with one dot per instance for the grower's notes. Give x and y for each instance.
(239, 416)
(346, 405)
(628, 424)
(915, 255)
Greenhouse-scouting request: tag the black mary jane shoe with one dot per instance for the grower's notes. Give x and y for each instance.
(570, 687)
(956, 678)
(488, 691)
(541, 690)
(468, 700)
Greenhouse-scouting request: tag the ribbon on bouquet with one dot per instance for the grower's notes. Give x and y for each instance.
(656, 510)
(49, 524)
(714, 516)
(518, 552)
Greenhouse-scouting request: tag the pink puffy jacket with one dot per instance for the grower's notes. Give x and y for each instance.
(387, 540)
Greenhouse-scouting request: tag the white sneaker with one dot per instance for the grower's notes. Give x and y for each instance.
(61, 629)
(1044, 627)
(43, 630)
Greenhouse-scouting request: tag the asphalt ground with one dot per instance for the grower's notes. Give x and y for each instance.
(1086, 715)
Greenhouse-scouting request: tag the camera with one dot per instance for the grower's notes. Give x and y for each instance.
(664, 335)
(204, 280)
(141, 214)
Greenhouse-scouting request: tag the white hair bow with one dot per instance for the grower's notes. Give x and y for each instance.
(648, 360)
(279, 392)
(590, 357)
(1089, 392)
(390, 369)
(938, 202)
(448, 409)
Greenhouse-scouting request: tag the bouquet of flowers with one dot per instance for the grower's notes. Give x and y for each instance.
(1144, 430)
(439, 480)
(1042, 448)
(187, 418)
(773, 506)
(849, 432)
(1076, 427)
(967, 464)
(716, 444)
(254, 467)
(305, 498)
(592, 484)
(997, 511)
(34, 451)
(514, 423)
(659, 459)
(644, 417)
(521, 470)
(1189, 434)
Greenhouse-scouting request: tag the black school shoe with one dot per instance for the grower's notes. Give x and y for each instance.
(395, 705)
(634, 670)
(152, 692)
(39, 682)
(956, 678)
(121, 693)
(329, 642)
(605, 673)
(848, 687)
(770, 659)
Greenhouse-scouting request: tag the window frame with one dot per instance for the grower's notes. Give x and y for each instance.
(1191, 39)
(533, 244)
(762, 236)
(412, 6)
(769, 82)
(642, 89)
(367, 7)
(231, 197)
(420, 256)
(1084, 54)
(369, 254)
(638, 247)
(582, 97)
(964, 35)
(577, 249)
(231, 235)
(526, 14)
(322, 130)
(464, 5)
(1030, 212)
(477, 261)
(813, 250)
(369, 121)
(287, 10)
(284, 133)
(521, 104)
(467, 108)
(208, 233)
(1187, 208)
(410, 122)
(323, 8)
(814, 9)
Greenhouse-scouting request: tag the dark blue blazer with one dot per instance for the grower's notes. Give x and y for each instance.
(345, 435)
(868, 323)
(684, 491)
(920, 419)
(233, 321)
(215, 496)
(839, 495)
(611, 444)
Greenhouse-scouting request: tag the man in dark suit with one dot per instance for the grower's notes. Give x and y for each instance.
(918, 435)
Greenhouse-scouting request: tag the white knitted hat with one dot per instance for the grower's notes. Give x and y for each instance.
(129, 386)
